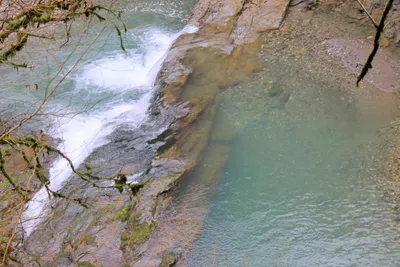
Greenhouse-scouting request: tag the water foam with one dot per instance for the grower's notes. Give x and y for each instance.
(82, 134)
(118, 71)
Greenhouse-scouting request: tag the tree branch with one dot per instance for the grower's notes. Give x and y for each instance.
(369, 15)
(379, 31)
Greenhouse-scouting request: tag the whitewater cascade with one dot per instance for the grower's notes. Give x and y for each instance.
(85, 132)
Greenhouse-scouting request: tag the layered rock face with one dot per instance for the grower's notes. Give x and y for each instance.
(149, 228)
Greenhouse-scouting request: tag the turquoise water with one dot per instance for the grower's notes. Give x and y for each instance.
(298, 188)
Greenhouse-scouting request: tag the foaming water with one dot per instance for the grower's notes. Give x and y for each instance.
(122, 72)
(83, 133)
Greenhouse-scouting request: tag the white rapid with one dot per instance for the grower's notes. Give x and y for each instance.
(83, 133)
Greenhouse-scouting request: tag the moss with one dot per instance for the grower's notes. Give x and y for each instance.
(44, 18)
(136, 187)
(106, 209)
(122, 214)
(141, 233)
(4, 183)
(88, 239)
(124, 238)
(3, 240)
(169, 259)
(136, 233)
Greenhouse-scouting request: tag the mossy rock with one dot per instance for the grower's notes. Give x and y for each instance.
(122, 214)
(89, 239)
(169, 259)
(106, 209)
(137, 234)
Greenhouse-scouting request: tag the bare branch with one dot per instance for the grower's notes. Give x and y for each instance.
(379, 31)
(48, 95)
(369, 15)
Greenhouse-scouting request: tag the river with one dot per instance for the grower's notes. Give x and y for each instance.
(298, 187)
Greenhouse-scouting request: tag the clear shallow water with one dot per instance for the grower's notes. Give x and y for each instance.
(298, 188)
(108, 89)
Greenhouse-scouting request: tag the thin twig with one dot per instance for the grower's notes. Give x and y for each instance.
(369, 15)
(47, 96)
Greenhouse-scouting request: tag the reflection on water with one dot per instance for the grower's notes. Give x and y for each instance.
(298, 188)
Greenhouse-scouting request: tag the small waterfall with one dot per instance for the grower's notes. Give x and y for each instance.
(83, 133)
